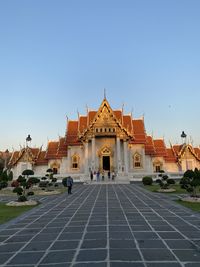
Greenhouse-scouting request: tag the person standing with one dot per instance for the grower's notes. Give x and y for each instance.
(91, 175)
(69, 184)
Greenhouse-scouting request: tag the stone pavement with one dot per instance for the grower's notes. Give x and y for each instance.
(103, 226)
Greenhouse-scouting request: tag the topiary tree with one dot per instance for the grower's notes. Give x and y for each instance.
(165, 181)
(24, 184)
(191, 182)
(147, 180)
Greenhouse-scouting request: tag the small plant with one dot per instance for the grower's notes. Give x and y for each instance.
(23, 185)
(147, 180)
(165, 181)
(191, 182)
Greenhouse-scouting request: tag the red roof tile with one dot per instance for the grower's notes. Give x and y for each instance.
(160, 148)
(139, 132)
(170, 157)
(149, 146)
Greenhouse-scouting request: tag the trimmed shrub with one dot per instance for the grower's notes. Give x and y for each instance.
(30, 193)
(147, 180)
(18, 190)
(64, 181)
(43, 184)
(158, 181)
(22, 199)
(15, 183)
(170, 181)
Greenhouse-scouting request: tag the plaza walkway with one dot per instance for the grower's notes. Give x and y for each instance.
(103, 226)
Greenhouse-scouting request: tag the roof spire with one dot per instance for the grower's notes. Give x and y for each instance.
(104, 93)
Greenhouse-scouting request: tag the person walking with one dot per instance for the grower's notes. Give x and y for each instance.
(69, 184)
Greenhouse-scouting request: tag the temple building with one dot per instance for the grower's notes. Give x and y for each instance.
(106, 140)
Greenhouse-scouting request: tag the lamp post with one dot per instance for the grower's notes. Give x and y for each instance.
(28, 139)
(183, 136)
(6, 153)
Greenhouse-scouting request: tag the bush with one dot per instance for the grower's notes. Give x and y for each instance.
(64, 181)
(158, 181)
(147, 180)
(170, 181)
(30, 193)
(22, 199)
(33, 180)
(43, 184)
(3, 184)
(18, 190)
(15, 183)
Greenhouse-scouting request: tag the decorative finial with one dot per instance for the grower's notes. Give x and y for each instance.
(104, 93)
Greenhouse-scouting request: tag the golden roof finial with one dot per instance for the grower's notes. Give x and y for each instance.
(104, 93)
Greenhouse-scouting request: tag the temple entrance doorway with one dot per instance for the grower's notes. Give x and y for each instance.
(106, 163)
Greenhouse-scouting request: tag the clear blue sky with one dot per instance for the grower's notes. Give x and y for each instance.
(58, 56)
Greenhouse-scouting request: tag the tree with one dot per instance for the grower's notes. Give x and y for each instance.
(165, 181)
(191, 182)
(24, 184)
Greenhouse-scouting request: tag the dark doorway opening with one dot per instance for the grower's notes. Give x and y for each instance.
(106, 163)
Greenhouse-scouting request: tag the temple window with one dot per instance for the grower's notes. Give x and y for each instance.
(137, 160)
(75, 162)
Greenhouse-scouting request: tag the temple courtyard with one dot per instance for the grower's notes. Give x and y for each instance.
(103, 225)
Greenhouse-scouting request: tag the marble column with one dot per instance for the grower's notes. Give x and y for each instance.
(93, 153)
(125, 158)
(118, 155)
(86, 157)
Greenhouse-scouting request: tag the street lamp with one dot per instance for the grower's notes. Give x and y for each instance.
(183, 136)
(6, 153)
(28, 139)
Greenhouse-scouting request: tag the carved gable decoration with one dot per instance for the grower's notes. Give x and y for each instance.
(105, 122)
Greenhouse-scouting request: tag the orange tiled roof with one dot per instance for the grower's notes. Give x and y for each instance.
(170, 157)
(127, 123)
(139, 132)
(149, 146)
(91, 115)
(62, 148)
(82, 123)
(41, 160)
(52, 150)
(118, 115)
(160, 148)
(72, 133)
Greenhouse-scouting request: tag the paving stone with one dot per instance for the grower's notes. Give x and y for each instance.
(58, 257)
(10, 247)
(122, 244)
(4, 257)
(157, 255)
(180, 244)
(162, 264)
(170, 235)
(37, 246)
(125, 255)
(96, 235)
(121, 235)
(151, 243)
(64, 245)
(94, 244)
(70, 236)
(92, 255)
(100, 228)
(27, 258)
(19, 238)
(95, 264)
(145, 235)
(126, 264)
(188, 255)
